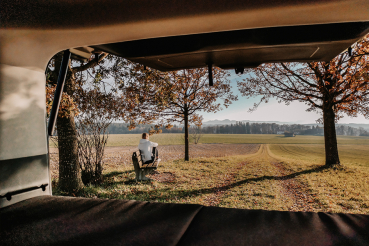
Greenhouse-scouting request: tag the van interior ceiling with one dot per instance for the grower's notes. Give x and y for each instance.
(165, 35)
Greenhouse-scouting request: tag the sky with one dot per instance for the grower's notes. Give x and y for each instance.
(271, 111)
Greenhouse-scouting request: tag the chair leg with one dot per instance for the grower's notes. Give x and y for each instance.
(139, 175)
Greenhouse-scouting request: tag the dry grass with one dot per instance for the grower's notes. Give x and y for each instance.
(273, 177)
(343, 189)
(116, 157)
(177, 139)
(176, 181)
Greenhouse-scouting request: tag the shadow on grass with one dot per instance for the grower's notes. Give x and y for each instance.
(170, 194)
(109, 183)
(116, 173)
(198, 192)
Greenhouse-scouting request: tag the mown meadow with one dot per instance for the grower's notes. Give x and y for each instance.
(177, 139)
(276, 173)
(116, 140)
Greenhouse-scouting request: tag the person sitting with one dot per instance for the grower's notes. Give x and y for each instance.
(148, 149)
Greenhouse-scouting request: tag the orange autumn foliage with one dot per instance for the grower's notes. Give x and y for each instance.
(334, 88)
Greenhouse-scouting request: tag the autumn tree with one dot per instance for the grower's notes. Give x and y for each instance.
(333, 88)
(76, 100)
(166, 97)
(98, 107)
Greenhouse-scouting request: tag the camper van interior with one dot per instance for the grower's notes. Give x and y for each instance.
(165, 35)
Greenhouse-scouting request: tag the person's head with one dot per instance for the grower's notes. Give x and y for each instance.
(145, 136)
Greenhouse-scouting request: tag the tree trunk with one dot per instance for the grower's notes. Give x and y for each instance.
(330, 139)
(69, 170)
(187, 157)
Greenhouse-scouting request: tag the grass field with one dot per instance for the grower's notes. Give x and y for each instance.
(350, 155)
(344, 189)
(285, 175)
(177, 139)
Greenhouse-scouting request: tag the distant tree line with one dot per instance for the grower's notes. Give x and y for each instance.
(351, 131)
(258, 128)
(123, 128)
(244, 128)
(273, 128)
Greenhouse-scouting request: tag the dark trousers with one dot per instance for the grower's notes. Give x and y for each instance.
(155, 154)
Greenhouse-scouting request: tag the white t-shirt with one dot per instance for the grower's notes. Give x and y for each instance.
(146, 149)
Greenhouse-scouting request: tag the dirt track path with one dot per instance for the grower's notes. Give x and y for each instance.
(252, 176)
(292, 190)
(215, 198)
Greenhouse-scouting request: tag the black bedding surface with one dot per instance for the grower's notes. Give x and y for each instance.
(53, 220)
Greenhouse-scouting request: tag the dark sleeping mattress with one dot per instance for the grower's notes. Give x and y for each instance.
(53, 220)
